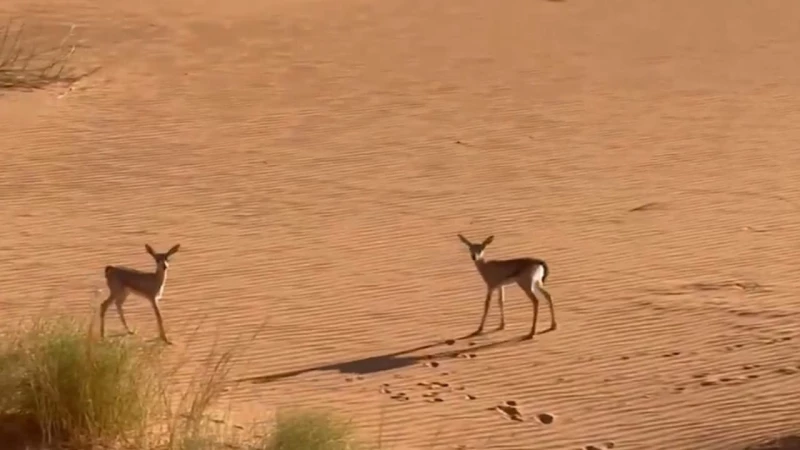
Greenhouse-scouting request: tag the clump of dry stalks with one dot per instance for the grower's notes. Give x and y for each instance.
(24, 66)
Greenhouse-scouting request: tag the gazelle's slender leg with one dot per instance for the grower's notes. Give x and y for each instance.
(500, 299)
(535, 302)
(160, 321)
(485, 311)
(103, 308)
(539, 290)
(118, 302)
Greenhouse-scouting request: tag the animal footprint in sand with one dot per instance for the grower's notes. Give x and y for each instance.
(750, 369)
(545, 418)
(432, 397)
(509, 410)
(788, 370)
(387, 389)
(400, 396)
(607, 446)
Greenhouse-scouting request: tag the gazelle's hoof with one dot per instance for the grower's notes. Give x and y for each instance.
(528, 337)
(131, 332)
(501, 327)
(477, 332)
(554, 327)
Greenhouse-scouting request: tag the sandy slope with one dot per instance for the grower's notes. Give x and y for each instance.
(316, 159)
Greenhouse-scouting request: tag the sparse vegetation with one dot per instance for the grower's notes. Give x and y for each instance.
(24, 65)
(298, 430)
(62, 386)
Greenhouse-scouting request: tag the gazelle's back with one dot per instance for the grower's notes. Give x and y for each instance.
(138, 281)
(514, 267)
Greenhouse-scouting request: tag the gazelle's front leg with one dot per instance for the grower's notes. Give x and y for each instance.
(500, 299)
(103, 308)
(485, 311)
(159, 319)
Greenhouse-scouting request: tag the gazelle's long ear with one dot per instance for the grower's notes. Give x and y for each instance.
(488, 240)
(464, 240)
(149, 250)
(173, 250)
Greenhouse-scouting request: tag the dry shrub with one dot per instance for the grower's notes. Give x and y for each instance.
(25, 66)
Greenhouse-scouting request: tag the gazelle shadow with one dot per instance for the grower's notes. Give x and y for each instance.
(388, 361)
(20, 432)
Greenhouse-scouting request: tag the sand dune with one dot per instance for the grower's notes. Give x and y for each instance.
(316, 159)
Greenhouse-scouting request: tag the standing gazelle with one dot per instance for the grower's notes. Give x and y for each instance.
(528, 273)
(122, 281)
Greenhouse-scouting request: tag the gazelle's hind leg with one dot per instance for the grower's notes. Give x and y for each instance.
(526, 284)
(118, 302)
(500, 300)
(540, 291)
(535, 302)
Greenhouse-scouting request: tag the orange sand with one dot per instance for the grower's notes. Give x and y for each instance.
(316, 159)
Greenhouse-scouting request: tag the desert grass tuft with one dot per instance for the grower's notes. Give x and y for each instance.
(78, 390)
(309, 430)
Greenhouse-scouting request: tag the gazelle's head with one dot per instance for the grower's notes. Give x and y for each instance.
(162, 259)
(476, 250)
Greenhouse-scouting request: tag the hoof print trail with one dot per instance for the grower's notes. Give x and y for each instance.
(469, 397)
(510, 411)
(545, 418)
(607, 446)
(400, 396)
(433, 364)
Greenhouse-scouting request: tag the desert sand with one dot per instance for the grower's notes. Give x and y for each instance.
(316, 159)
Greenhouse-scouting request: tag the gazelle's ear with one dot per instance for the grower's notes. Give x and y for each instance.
(488, 240)
(173, 250)
(464, 240)
(149, 250)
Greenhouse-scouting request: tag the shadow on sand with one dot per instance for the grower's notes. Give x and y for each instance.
(19, 432)
(388, 361)
(784, 443)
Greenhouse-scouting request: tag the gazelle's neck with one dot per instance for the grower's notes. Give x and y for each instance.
(481, 265)
(161, 275)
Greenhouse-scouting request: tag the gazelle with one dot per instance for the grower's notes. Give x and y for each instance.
(528, 273)
(122, 281)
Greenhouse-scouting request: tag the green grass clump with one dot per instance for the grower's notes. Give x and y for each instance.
(78, 390)
(309, 430)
